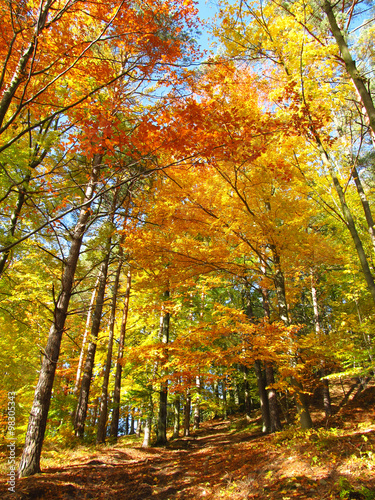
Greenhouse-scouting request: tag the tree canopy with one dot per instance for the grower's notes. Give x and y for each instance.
(182, 235)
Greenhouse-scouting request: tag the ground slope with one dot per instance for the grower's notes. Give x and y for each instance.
(223, 459)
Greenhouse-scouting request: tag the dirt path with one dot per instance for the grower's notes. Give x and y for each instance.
(216, 462)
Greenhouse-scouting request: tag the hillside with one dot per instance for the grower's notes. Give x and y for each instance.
(224, 458)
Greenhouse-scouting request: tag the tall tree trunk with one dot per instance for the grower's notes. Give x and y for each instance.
(163, 394)
(30, 461)
(79, 424)
(261, 382)
(348, 217)
(350, 65)
(273, 407)
(20, 69)
(117, 390)
(176, 416)
(365, 205)
(301, 402)
(102, 424)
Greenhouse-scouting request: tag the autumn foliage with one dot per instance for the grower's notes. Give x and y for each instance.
(183, 236)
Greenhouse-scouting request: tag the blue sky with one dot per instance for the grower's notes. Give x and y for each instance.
(207, 9)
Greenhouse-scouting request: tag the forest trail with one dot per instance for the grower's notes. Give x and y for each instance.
(222, 459)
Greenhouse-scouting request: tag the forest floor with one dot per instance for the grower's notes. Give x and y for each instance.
(223, 459)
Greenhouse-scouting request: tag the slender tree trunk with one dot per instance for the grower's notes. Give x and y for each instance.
(365, 206)
(127, 416)
(79, 424)
(38, 157)
(148, 423)
(102, 425)
(350, 224)
(139, 426)
(147, 432)
(15, 217)
(350, 65)
(225, 404)
(187, 409)
(30, 461)
(120, 355)
(163, 398)
(94, 412)
(132, 422)
(318, 331)
(20, 69)
(273, 405)
(248, 402)
(85, 335)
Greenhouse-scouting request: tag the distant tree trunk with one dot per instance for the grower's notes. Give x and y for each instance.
(163, 394)
(187, 409)
(247, 396)
(148, 422)
(94, 410)
(197, 402)
(225, 405)
(326, 395)
(79, 424)
(30, 460)
(217, 398)
(232, 399)
(139, 426)
(84, 339)
(127, 416)
(117, 389)
(102, 424)
(176, 416)
(132, 422)
(147, 432)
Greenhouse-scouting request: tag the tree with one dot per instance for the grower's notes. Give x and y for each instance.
(139, 62)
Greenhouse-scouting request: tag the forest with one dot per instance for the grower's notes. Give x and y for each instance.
(186, 234)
